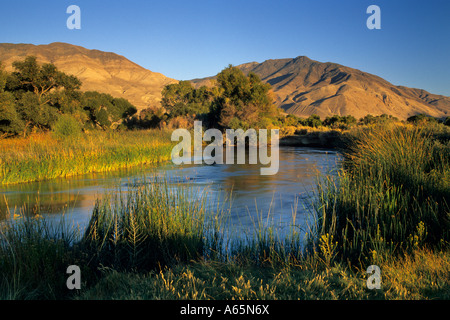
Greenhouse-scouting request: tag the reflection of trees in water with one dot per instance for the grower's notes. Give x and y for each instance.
(30, 203)
(295, 168)
(62, 195)
(55, 196)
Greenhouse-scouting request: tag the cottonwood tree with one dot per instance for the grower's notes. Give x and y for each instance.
(244, 101)
(35, 97)
(30, 76)
(32, 85)
(181, 99)
(10, 120)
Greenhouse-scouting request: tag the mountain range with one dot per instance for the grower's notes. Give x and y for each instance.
(304, 87)
(301, 86)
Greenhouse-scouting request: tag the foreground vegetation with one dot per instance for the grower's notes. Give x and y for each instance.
(391, 197)
(421, 275)
(387, 207)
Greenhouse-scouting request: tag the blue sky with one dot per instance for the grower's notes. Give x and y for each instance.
(197, 38)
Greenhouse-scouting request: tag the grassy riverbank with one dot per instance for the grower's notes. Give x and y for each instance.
(392, 195)
(421, 275)
(387, 207)
(43, 156)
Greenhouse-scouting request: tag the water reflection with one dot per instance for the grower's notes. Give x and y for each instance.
(276, 197)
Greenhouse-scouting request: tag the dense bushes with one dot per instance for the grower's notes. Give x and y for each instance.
(66, 126)
(235, 101)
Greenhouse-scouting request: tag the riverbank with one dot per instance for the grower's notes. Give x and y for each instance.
(422, 275)
(330, 139)
(175, 253)
(43, 156)
(153, 242)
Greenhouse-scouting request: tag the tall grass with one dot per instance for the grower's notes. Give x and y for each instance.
(43, 156)
(148, 226)
(157, 239)
(392, 195)
(34, 255)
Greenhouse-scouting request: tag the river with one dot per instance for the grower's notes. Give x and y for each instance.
(278, 199)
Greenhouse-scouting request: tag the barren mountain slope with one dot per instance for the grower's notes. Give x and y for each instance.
(303, 87)
(100, 71)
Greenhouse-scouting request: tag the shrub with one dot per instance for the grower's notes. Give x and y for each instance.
(420, 118)
(447, 121)
(66, 126)
(314, 121)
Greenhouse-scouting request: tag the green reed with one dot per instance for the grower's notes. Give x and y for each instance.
(34, 255)
(391, 196)
(43, 157)
(153, 224)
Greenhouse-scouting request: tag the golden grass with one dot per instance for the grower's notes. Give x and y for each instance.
(42, 156)
(425, 274)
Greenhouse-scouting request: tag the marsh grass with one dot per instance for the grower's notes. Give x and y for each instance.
(44, 156)
(160, 223)
(150, 225)
(421, 275)
(159, 240)
(34, 255)
(267, 242)
(391, 197)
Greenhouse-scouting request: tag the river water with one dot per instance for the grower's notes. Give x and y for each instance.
(279, 199)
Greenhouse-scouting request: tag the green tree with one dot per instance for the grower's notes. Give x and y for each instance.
(37, 96)
(349, 120)
(421, 118)
(29, 76)
(103, 109)
(122, 108)
(34, 113)
(332, 121)
(151, 118)
(102, 118)
(181, 99)
(313, 121)
(10, 121)
(243, 98)
(342, 122)
(292, 120)
(447, 121)
(370, 119)
(35, 88)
